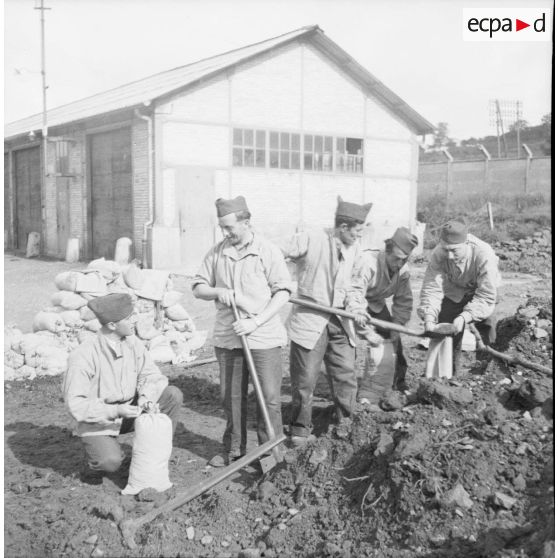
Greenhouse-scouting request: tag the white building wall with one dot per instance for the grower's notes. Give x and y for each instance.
(294, 89)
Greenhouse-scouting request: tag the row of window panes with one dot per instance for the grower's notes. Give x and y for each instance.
(284, 151)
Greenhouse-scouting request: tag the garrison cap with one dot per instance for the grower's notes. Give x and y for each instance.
(112, 307)
(454, 232)
(405, 240)
(352, 210)
(224, 207)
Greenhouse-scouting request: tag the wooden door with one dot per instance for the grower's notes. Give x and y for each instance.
(195, 200)
(27, 176)
(110, 172)
(62, 212)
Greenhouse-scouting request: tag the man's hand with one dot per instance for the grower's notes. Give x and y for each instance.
(224, 296)
(245, 326)
(128, 411)
(361, 317)
(372, 338)
(144, 403)
(429, 325)
(459, 324)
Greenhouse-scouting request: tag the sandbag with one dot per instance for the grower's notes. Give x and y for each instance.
(170, 298)
(379, 372)
(152, 448)
(68, 300)
(29, 342)
(145, 328)
(48, 321)
(26, 373)
(9, 374)
(176, 312)
(158, 341)
(50, 337)
(184, 325)
(154, 284)
(86, 314)
(198, 339)
(72, 318)
(439, 361)
(133, 276)
(66, 281)
(119, 286)
(92, 282)
(12, 337)
(51, 366)
(108, 268)
(144, 305)
(93, 325)
(13, 359)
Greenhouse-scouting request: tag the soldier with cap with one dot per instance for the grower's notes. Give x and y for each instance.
(325, 263)
(383, 275)
(246, 268)
(110, 379)
(460, 285)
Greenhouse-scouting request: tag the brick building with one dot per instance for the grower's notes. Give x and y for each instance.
(290, 123)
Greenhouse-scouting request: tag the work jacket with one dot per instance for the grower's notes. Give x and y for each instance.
(475, 279)
(376, 286)
(102, 374)
(324, 270)
(255, 274)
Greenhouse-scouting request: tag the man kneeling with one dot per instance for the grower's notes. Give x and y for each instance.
(110, 379)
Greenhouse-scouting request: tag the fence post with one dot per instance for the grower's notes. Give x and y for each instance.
(487, 157)
(448, 177)
(527, 166)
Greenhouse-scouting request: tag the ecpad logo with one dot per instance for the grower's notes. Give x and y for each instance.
(507, 24)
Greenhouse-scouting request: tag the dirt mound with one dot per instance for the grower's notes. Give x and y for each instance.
(527, 255)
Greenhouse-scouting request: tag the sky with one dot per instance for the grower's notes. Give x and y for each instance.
(415, 48)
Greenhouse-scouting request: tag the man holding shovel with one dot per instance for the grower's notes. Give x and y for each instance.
(247, 271)
(460, 285)
(385, 274)
(325, 263)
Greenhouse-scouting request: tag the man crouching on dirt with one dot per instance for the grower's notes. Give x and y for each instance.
(385, 274)
(460, 285)
(109, 380)
(246, 268)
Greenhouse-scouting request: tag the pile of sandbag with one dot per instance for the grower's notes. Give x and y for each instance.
(163, 324)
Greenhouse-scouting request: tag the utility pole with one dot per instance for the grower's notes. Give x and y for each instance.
(44, 85)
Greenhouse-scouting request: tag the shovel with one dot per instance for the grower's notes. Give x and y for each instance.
(266, 462)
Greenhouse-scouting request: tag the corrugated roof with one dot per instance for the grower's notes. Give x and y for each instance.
(164, 83)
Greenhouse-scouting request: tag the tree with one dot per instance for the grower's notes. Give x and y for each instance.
(441, 135)
(546, 121)
(518, 125)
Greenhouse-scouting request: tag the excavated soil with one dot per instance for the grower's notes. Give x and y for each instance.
(460, 468)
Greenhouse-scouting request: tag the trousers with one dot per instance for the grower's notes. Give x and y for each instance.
(234, 377)
(103, 453)
(334, 349)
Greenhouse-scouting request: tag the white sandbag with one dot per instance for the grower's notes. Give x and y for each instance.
(51, 366)
(143, 305)
(184, 325)
(108, 268)
(48, 337)
(152, 448)
(118, 286)
(170, 298)
(12, 337)
(93, 325)
(31, 359)
(29, 342)
(9, 374)
(439, 361)
(13, 359)
(86, 314)
(48, 351)
(176, 313)
(66, 281)
(162, 353)
(197, 341)
(158, 341)
(92, 282)
(48, 321)
(72, 318)
(26, 373)
(175, 336)
(133, 276)
(154, 284)
(145, 328)
(68, 300)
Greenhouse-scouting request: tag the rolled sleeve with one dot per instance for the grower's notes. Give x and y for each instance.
(432, 292)
(483, 303)
(206, 272)
(277, 272)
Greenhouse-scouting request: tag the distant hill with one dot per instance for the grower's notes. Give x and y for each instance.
(537, 138)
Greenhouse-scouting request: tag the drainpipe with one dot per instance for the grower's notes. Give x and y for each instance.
(487, 157)
(149, 222)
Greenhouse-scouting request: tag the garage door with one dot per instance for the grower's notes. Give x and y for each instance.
(27, 175)
(110, 159)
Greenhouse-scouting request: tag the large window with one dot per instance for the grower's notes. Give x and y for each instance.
(249, 148)
(285, 150)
